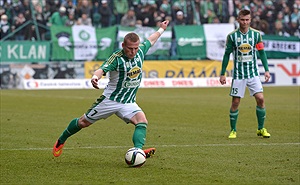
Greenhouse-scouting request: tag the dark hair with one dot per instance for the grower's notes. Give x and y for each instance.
(132, 37)
(244, 12)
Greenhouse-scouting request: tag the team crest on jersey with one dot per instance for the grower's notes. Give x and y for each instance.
(245, 48)
(134, 72)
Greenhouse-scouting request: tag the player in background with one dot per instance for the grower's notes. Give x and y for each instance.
(243, 44)
(124, 69)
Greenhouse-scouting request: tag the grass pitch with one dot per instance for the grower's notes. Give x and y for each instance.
(189, 128)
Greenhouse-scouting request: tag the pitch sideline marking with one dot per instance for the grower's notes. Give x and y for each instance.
(158, 146)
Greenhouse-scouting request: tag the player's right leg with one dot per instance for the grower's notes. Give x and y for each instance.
(237, 92)
(93, 114)
(74, 126)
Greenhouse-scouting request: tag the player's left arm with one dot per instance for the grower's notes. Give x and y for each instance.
(154, 36)
(263, 57)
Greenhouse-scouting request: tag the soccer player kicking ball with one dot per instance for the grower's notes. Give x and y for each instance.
(124, 68)
(243, 43)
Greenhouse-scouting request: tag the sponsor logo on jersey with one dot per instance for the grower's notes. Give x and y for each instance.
(247, 58)
(245, 48)
(131, 84)
(134, 72)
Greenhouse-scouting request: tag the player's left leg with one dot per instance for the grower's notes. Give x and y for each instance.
(256, 90)
(261, 116)
(134, 114)
(139, 134)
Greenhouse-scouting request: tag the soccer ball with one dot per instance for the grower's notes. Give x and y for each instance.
(135, 157)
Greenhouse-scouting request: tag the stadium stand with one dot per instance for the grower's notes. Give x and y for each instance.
(31, 19)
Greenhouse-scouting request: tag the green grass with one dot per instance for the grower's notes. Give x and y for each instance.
(189, 128)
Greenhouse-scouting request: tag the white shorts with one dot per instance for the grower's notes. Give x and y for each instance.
(238, 86)
(104, 108)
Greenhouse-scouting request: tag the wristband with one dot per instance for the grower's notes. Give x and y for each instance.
(160, 31)
(95, 77)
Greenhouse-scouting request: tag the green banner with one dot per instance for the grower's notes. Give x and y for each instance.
(281, 47)
(160, 48)
(82, 42)
(190, 42)
(25, 51)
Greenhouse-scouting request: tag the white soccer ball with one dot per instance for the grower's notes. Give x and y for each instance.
(135, 157)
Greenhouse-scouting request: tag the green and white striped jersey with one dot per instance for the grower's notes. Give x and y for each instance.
(243, 48)
(124, 74)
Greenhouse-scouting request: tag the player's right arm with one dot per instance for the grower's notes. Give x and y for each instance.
(228, 50)
(108, 65)
(97, 75)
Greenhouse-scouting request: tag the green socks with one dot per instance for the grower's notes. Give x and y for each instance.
(261, 116)
(139, 135)
(233, 119)
(70, 130)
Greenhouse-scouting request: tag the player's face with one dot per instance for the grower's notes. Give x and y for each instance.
(130, 48)
(244, 21)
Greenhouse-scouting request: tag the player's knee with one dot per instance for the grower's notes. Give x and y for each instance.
(82, 122)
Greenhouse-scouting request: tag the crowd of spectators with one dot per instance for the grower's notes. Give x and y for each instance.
(272, 17)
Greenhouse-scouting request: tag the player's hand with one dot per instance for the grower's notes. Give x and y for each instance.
(267, 76)
(94, 82)
(222, 79)
(164, 24)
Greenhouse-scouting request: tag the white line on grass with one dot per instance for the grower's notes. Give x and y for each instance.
(158, 146)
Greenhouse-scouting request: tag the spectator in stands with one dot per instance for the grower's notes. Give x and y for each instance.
(17, 8)
(256, 5)
(183, 6)
(70, 7)
(211, 17)
(84, 7)
(54, 5)
(165, 7)
(295, 15)
(59, 18)
(47, 13)
(105, 13)
(277, 26)
(263, 27)
(295, 28)
(179, 20)
(120, 9)
(147, 15)
(129, 19)
(5, 27)
(164, 10)
(139, 24)
(96, 15)
(205, 6)
(279, 29)
(196, 19)
(41, 21)
(287, 17)
(269, 15)
(18, 22)
(221, 11)
(71, 21)
(84, 20)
